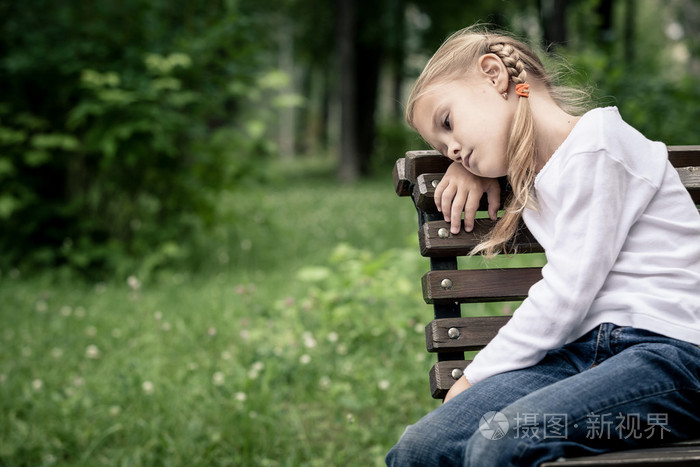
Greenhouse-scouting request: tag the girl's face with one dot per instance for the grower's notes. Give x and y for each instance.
(469, 121)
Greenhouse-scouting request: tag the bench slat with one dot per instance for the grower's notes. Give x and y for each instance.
(402, 184)
(416, 163)
(436, 240)
(681, 454)
(690, 176)
(475, 286)
(428, 161)
(442, 377)
(424, 193)
(684, 156)
(462, 334)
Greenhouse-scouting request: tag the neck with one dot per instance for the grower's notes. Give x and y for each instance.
(552, 125)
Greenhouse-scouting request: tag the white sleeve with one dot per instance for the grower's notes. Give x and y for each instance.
(598, 201)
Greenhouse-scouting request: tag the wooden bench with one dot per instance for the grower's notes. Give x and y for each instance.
(446, 286)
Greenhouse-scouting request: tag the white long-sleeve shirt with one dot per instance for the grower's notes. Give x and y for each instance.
(622, 240)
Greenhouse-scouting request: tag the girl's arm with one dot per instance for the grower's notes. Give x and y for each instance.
(460, 385)
(460, 191)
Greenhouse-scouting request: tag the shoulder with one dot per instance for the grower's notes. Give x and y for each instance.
(603, 133)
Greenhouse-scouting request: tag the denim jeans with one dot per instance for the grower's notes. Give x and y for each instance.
(614, 388)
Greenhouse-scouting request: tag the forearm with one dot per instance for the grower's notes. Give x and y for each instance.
(460, 385)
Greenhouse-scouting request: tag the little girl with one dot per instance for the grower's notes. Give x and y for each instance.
(604, 353)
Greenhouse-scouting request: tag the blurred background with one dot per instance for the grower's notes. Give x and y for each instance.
(122, 122)
(202, 257)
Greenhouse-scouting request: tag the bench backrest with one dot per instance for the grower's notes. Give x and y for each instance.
(446, 286)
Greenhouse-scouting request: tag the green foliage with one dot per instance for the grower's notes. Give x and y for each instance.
(114, 141)
(320, 367)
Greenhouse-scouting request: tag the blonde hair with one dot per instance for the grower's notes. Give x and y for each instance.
(457, 55)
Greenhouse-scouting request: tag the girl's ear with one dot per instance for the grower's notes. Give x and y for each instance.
(492, 68)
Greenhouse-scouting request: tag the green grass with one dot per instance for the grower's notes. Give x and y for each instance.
(301, 344)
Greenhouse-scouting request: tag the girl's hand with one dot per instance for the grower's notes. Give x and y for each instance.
(462, 384)
(460, 191)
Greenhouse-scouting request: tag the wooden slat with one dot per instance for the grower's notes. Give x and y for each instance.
(424, 191)
(436, 240)
(402, 184)
(471, 333)
(476, 286)
(420, 162)
(672, 455)
(441, 379)
(690, 176)
(684, 156)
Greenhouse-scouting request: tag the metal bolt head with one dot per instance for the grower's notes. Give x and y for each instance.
(456, 374)
(443, 232)
(446, 284)
(453, 333)
(435, 183)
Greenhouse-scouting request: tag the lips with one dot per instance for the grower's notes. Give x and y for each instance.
(465, 160)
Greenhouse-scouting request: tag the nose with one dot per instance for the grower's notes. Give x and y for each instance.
(454, 150)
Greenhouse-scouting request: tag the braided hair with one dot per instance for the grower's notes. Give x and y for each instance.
(453, 59)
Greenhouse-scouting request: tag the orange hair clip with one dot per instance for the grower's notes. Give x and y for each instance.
(522, 90)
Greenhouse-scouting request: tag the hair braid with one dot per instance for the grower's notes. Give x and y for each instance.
(511, 59)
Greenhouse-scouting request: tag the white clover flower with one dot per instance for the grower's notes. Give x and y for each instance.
(218, 378)
(41, 306)
(37, 384)
(166, 326)
(147, 387)
(56, 352)
(226, 355)
(240, 396)
(309, 341)
(384, 384)
(305, 359)
(133, 283)
(115, 410)
(332, 337)
(158, 315)
(324, 382)
(78, 381)
(66, 311)
(92, 352)
(91, 331)
(211, 331)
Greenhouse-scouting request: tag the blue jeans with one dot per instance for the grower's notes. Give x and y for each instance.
(614, 388)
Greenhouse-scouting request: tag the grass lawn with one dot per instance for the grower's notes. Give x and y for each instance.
(301, 344)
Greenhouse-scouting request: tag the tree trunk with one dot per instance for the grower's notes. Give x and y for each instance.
(348, 170)
(553, 19)
(367, 79)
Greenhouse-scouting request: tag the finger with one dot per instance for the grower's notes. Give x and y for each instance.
(493, 195)
(447, 197)
(456, 211)
(437, 195)
(470, 208)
